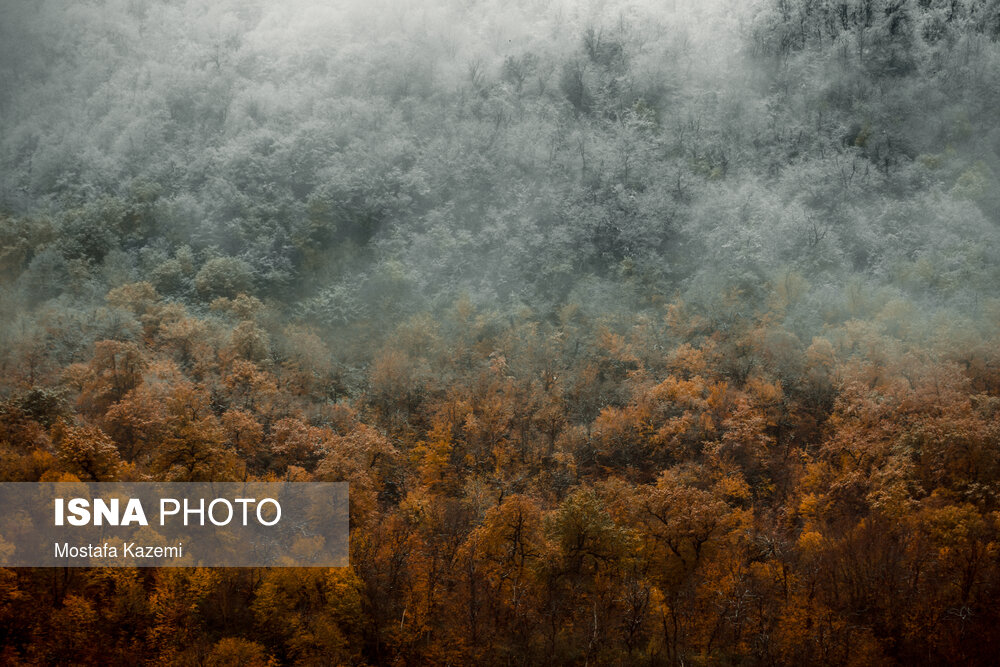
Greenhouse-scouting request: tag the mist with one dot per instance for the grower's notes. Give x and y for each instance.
(535, 155)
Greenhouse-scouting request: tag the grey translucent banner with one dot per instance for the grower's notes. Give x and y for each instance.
(194, 524)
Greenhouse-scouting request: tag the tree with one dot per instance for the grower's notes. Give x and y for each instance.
(87, 452)
(236, 652)
(223, 276)
(195, 448)
(310, 616)
(115, 369)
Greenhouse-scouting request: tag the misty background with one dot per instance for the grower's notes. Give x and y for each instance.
(354, 164)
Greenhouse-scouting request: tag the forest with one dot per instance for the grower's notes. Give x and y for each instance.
(645, 333)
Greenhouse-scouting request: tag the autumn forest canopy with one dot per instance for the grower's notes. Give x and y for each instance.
(646, 333)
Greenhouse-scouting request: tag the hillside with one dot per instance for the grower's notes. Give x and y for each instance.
(645, 333)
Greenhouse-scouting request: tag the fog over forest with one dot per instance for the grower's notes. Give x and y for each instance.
(645, 332)
(364, 162)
